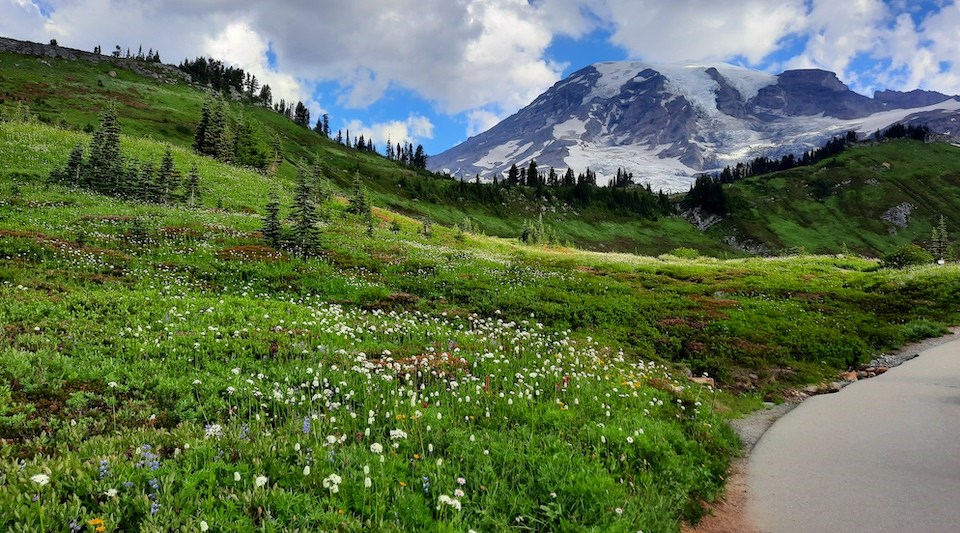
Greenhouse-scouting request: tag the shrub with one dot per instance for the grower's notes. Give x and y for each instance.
(907, 255)
(685, 253)
(917, 330)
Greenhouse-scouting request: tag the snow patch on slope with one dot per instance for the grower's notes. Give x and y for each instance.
(881, 120)
(613, 76)
(747, 82)
(571, 129)
(503, 153)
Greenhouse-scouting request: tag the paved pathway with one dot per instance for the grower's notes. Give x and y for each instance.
(882, 455)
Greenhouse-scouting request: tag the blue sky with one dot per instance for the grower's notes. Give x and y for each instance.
(437, 71)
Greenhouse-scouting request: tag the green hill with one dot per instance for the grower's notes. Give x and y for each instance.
(840, 204)
(162, 367)
(833, 206)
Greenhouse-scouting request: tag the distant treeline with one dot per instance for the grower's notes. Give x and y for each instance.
(552, 187)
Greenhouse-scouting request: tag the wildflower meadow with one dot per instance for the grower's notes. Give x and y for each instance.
(161, 369)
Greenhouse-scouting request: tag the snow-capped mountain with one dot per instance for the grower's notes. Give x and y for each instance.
(666, 123)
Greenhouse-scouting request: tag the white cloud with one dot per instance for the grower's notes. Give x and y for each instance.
(414, 129)
(245, 48)
(699, 29)
(480, 120)
(19, 15)
(487, 58)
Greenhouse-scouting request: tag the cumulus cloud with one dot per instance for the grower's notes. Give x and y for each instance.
(480, 120)
(246, 49)
(701, 29)
(484, 59)
(19, 15)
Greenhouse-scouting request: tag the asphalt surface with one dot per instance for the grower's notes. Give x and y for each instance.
(882, 455)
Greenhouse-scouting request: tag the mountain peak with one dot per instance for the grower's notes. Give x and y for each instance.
(666, 123)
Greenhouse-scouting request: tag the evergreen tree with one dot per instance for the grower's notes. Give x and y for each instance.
(148, 189)
(277, 150)
(419, 158)
(359, 200)
(73, 172)
(168, 180)
(513, 176)
(134, 188)
(193, 187)
(533, 175)
(321, 186)
(246, 147)
(271, 222)
(105, 166)
(939, 240)
(199, 138)
(266, 96)
(568, 178)
(222, 145)
(212, 137)
(326, 125)
(301, 116)
(304, 216)
(708, 194)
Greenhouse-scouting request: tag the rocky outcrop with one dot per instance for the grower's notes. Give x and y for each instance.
(749, 246)
(157, 71)
(703, 221)
(810, 92)
(899, 215)
(909, 99)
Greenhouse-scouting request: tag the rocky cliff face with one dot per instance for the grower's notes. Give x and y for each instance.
(665, 123)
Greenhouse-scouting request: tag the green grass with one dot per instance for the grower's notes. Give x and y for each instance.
(199, 327)
(155, 381)
(782, 211)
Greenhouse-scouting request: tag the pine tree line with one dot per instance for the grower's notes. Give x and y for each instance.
(150, 56)
(103, 170)
(406, 154)
(230, 141)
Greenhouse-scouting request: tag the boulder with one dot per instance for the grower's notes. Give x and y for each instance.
(704, 381)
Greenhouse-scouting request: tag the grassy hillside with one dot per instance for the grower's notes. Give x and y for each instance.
(162, 369)
(827, 208)
(838, 204)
